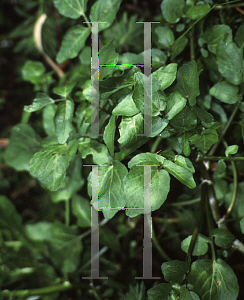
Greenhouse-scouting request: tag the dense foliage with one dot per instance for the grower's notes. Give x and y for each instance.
(195, 149)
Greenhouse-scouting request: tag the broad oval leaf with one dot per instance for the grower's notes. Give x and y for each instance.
(73, 41)
(172, 10)
(71, 8)
(40, 101)
(104, 11)
(213, 280)
(49, 165)
(63, 120)
(201, 246)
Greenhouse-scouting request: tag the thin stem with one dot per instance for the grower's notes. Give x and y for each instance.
(227, 125)
(215, 158)
(235, 187)
(25, 117)
(40, 291)
(204, 187)
(192, 45)
(159, 248)
(94, 292)
(67, 212)
(87, 21)
(184, 203)
(209, 230)
(155, 144)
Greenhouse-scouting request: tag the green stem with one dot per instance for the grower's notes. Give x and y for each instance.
(25, 117)
(227, 125)
(226, 6)
(209, 230)
(184, 203)
(215, 158)
(40, 291)
(94, 292)
(192, 45)
(234, 194)
(159, 248)
(204, 187)
(87, 21)
(155, 144)
(67, 212)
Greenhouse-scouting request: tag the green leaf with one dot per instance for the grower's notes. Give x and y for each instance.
(23, 143)
(204, 141)
(160, 292)
(158, 97)
(73, 41)
(180, 173)
(188, 82)
(183, 140)
(111, 188)
(109, 135)
(166, 75)
(229, 60)
(71, 8)
(231, 150)
(63, 91)
(202, 114)
(48, 114)
(223, 237)
(175, 103)
(178, 46)
(126, 107)
(184, 162)
(107, 56)
(213, 280)
(242, 225)
(104, 11)
(221, 166)
(185, 120)
(32, 70)
(172, 10)
(63, 120)
(98, 150)
(146, 159)
(165, 37)
(49, 165)
(214, 35)
(73, 182)
(9, 217)
(201, 246)
(40, 101)
(81, 208)
(174, 271)
(64, 246)
(134, 190)
(197, 11)
(225, 92)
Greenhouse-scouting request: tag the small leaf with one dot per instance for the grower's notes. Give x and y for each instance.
(63, 120)
(174, 271)
(225, 92)
(196, 11)
(223, 238)
(49, 165)
(40, 101)
(172, 10)
(109, 133)
(126, 107)
(73, 41)
(185, 120)
(23, 143)
(166, 75)
(165, 37)
(242, 225)
(63, 91)
(188, 82)
(175, 103)
(32, 70)
(104, 11)
(201, 246)
(205, 140)
(160, 292)
(180, 173)
(229, 60)
(221, 166)
(178, 46)
(81, 208)
(231, 150)
(107, 56)
(71, 8)
(111, 188)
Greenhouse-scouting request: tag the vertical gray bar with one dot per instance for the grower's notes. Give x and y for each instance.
(147, 80)
(147, 240)
(94, 228)
(95, 82)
